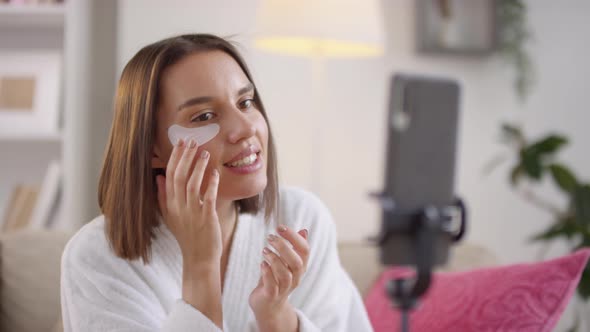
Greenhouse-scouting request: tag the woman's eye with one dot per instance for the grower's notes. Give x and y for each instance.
(203, 117)
(247, 103)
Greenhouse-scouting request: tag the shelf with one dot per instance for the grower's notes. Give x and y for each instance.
(30, 137)
(37, 16)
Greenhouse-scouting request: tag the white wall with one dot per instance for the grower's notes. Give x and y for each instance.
(355, 99)
(285, 84)
(500, 219)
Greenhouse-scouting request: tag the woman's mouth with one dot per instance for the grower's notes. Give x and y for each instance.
(246, 165)
(248, 160)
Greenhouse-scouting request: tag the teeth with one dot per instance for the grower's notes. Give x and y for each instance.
(245, 161)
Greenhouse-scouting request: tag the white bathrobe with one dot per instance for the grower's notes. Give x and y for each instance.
(101, 292)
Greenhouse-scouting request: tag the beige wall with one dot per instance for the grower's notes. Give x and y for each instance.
(354, 102)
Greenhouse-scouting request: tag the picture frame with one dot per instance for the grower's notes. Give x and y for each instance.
(456, 27)
(30, 91)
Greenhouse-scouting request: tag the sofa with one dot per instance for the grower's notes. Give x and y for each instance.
(30, 273)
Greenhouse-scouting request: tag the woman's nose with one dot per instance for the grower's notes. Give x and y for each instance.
(240, 126)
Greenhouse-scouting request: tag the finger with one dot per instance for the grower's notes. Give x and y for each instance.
(182, 172)
(303, 233)
(193, 187)
(299, 243)
(288, 255)
(279, 270)
(171, 168)
(210, 198)
(271, 287)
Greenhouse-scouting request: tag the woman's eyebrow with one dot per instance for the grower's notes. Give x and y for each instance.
(194, 101)
(201, 100)
(246, 89)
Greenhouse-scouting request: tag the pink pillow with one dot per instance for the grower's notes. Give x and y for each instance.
(524, 297)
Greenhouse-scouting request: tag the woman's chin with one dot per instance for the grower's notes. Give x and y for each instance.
(236, 193)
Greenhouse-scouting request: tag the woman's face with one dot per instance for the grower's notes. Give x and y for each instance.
(207, 88)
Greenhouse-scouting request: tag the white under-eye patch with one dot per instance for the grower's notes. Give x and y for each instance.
(201, 135)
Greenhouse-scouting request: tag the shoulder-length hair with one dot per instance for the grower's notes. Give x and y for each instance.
(127, 191)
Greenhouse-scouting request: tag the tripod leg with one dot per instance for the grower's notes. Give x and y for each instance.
(405, 321)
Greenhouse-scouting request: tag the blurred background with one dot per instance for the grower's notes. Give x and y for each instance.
(522, 63)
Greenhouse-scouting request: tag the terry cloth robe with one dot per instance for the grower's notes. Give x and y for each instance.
(102, 292)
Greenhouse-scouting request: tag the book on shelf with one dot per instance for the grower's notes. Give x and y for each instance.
(34, 206)
(48, 198)
(19, 209)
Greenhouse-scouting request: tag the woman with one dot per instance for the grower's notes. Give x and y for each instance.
(194, 235)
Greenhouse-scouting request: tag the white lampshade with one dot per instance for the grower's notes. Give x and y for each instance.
(330, 28)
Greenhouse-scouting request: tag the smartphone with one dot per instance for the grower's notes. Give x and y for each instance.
(420, 164)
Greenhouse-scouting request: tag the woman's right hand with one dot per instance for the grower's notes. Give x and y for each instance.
(192, 219)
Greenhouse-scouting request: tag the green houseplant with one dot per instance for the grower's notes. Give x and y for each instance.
(536, 159)
(512, 37)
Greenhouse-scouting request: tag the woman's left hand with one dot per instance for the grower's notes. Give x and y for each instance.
(280, 275)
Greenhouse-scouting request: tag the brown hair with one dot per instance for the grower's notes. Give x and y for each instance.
(127, 191)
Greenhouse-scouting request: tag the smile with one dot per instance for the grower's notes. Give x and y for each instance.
(248, 160)
(250, 164)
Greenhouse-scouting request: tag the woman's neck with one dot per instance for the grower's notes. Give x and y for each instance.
(227, 214)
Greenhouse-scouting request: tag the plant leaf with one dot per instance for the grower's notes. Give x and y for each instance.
(585, 243)
(563, 177)
(548, 145)
(531, 163)
(581, 200)
(512, 133)
(531, 156)
(564, 227)
(584, 285)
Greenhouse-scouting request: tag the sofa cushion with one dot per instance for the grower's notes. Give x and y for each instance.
(29, 279)
(361, 261)
(525, 297)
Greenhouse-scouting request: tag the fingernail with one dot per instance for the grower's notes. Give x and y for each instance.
(192, 144)
(180, 142)
(271, 237)
(266, 251)
(282, 228)
(305, 233)
(215, 173)
(205, 154)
